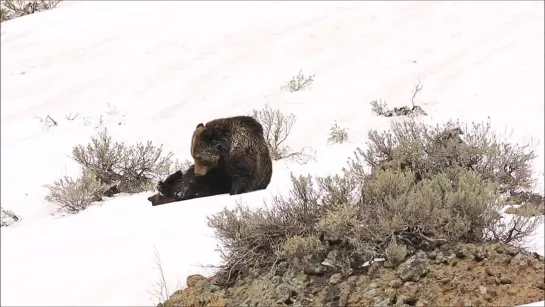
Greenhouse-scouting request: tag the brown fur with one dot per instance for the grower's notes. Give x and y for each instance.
(237, 145)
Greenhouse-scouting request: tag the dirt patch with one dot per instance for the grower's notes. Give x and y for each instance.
(461, 275)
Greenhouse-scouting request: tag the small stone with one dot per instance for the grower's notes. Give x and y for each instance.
(410, 289)
(284, 292)
(335, 278)
(493, 293)
(490, 272)
(519, 259)
(414, 268)
(396, 283)
(483, 290)
(461, 251)
(479, 255)
(315, 270)
(372, 285)
(383, 303)
(440, 258)
(511, 251)
(538, 256)
(352, 279)
(511, 291)
(194, 280)
(371, 294)
(422, 303)
(505, 280)
(374, 267)
(499, 249)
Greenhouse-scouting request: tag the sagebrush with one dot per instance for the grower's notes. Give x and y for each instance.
(132, 169)
(416, 187)
(73, 195)
(337, 134)
(8, 217)
(299, 82)
(277, 127)
(109, 168)
(10, 9)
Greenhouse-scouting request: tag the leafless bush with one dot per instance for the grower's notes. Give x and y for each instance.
(337, 135)
(276, 129)
(299, 82)
(132, 168)
(47, 122)
(160, 292)
(8, 217)
(74, 195)
(380, 108)
(418, 201)
(71, 116)
(10, 9)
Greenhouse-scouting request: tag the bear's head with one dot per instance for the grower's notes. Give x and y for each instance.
(171, 185)
(208, 147)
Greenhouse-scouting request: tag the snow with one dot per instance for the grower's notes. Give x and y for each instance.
(167, 66)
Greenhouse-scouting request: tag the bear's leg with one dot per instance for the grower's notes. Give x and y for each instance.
(241, 179)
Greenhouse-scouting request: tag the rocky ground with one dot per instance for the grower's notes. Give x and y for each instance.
(461, 275)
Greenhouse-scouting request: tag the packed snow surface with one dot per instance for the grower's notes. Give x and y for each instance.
(154, 69)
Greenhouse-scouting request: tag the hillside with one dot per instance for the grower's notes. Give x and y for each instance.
(152, 71)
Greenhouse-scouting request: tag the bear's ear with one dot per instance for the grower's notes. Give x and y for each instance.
(199, 126)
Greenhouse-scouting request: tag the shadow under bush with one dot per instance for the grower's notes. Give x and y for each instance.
(427, 187)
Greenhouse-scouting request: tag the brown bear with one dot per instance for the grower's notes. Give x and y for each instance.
(236, 145)
(184, 186)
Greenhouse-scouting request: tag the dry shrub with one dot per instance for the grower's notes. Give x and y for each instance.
(109, 168)
(132, 168)
(73, 195)
(428, 150)
(10, 9)
(276, 129)
(337, 135)
(8, 217)
(426, 188)
(298, 83)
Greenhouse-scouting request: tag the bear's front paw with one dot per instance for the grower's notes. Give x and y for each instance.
(237, 190)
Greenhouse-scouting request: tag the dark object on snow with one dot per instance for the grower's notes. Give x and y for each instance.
(111, 191)
(403, 111)
(184, 186)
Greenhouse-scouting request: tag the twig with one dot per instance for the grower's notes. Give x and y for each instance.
(70, 116)
(418, 87)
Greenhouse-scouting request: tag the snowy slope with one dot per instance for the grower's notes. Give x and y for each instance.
(166, 66)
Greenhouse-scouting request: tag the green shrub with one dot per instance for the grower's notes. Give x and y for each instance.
(426, 187)
(73, 195)
(132, 169)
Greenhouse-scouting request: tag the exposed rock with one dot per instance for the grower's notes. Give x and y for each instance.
(414, 268)
(481, 277)
(335, 278)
